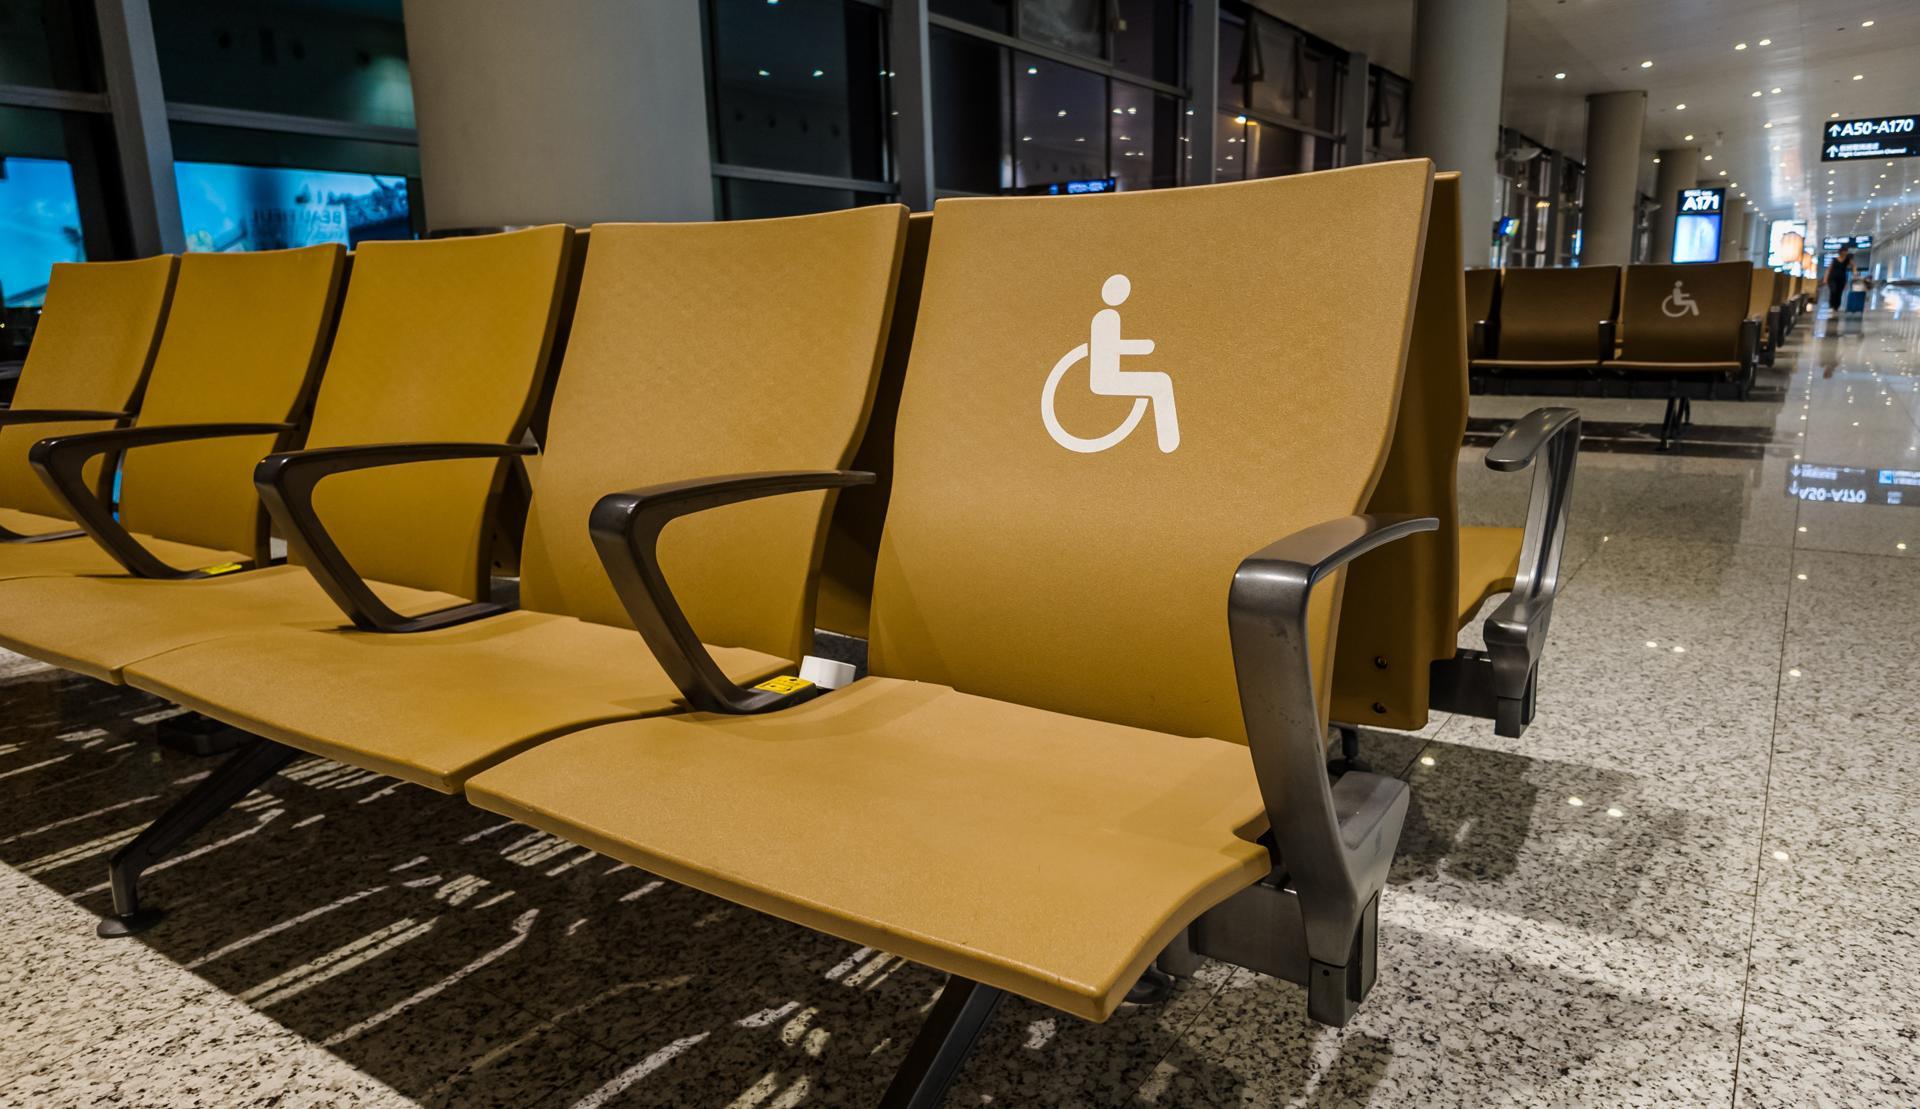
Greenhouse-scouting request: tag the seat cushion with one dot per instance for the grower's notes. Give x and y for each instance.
(429, 707)
(81, 555)
(1041, 853)
(1489, 561)
(99, 625)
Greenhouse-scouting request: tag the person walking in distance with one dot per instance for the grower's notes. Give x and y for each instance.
(1839, 276)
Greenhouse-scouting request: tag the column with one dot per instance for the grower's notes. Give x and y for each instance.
(1679, 169)
(139, 106)
(1353, 108)
(1557, 247)
(1203, 78)
(541, 113)
(1730, 226)
(1459, 65)
(1615, 121)
(912, 69)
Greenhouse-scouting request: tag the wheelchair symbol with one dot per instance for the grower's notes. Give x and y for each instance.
(1103, 351)
(1679, 304)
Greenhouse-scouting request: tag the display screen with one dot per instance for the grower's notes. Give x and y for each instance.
(1696, 238)
(1787, 244)
(39, 225)
(225, 207)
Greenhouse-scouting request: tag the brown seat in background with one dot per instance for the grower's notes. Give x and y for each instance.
(1689, 326)
(1553, 323)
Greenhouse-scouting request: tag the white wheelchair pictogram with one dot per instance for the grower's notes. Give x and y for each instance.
(1678, 303)
(1103, 351)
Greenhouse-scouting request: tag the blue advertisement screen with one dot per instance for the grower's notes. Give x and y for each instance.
(39, 225)
(226, 207)
(1696, 238)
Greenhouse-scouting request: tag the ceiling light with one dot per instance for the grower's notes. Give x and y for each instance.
(1723, 173)
(1679, 107)
(1646, 64)
(1859, 76)
(1775, 90)
(1766, 42)
(1835, 115)
(1868, 23)
(1709, 158)
(1739, 46)
(1770, 127)
(1559, 76)
(1757, 92)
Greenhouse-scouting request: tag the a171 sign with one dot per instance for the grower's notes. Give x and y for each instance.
(1845, 140)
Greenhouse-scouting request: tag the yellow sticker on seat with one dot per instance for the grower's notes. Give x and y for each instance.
(219, 568)
(786, 683)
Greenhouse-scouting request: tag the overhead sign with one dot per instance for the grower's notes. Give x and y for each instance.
(1846, 140)
(1832, 243)
(1702, 200)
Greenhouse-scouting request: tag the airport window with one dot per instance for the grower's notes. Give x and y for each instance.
(332, 61)
(49, 44)
(1280, 96)
(748, 199)
(970, 95)
(1387, 115)
(1146, 132)
(994, 15)
(800, 87)
(1060, 123)
(1149, 39)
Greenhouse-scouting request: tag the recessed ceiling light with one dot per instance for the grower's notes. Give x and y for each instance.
(1646, 64)
(1739, 46)
(1770, 127)
(1868, 23)
(1689, 138)
(1559, 76)
(1679, 107)
(1766, 42)
(1709, 158)
(1835, 115)
(1859, 76)
(1723, 173)
(1757, 92)
(1775, 90)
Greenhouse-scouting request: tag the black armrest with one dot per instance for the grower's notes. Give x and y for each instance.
(1749, 341)
(1337, 839)
(286, 484)
(626, 532)
(1516, 632)
(1483, 337)
(1608, 329)
(61, 463)
(57, 415)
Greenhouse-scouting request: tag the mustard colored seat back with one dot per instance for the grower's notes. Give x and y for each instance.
(1091, 578)
(699, 350)
(92, 349)
(1402, 600)
(1554, 315)
(1661, 328)
(853, 534)
(1482, 290)
(444, 341)
(244, 337)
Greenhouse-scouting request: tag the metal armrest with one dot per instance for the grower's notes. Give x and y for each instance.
(626, 532)
(62, 462)
(1335, 840)
(1516, 632)
(286, 483)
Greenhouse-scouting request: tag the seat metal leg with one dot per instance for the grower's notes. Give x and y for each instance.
(1335, 993)
(235, 778)
(942, 1045)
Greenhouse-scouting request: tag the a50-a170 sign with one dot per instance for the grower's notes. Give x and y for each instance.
(1845, 140)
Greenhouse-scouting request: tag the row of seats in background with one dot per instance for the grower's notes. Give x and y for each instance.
(1092, 747)
(1681, 332)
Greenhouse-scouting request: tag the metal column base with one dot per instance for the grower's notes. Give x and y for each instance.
(235, 778)
(942, 1045)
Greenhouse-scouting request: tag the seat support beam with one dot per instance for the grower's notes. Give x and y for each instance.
(235, 778)
(942, 1046)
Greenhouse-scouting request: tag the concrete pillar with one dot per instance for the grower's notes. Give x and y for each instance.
(1679, 169)
(1459, 66)
(1730, 225)
(578, 112)
(1353, 109)
(140, 130)
(1615, 121)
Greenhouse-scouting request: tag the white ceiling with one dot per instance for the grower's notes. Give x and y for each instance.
(1817, 48)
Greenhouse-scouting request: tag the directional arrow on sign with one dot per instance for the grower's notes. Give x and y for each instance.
(1832, 150)
(1833, 130)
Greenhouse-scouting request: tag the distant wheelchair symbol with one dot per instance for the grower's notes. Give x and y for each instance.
(1102, 353)
(1678, 303)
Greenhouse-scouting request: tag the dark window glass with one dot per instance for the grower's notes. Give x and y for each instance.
(1387, 115)
(1277, 151)
(970, 114)
(1235, 65)
(1319, 86)
(800, 86)
(1231, 146)
(49, 44)
(1269, 66)
(995, 15)
(1149, 39)
(740, 199)
(1060, 123)
(194, 142)
(59, 202)
(1146, 138)
(1074, 25)
(334, 61)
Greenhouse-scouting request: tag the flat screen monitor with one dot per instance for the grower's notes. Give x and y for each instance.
(1696, 238)
(39, 225)
(228, 207)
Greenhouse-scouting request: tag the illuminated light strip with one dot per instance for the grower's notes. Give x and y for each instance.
(276, 929)
(340, 960)
(619, 1083)
(521, 927)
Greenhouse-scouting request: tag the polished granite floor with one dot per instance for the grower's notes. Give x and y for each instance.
(1695, 881)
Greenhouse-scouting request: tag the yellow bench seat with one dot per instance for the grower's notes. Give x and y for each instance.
(82, 556)
(429, 707)
(1045, 854)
